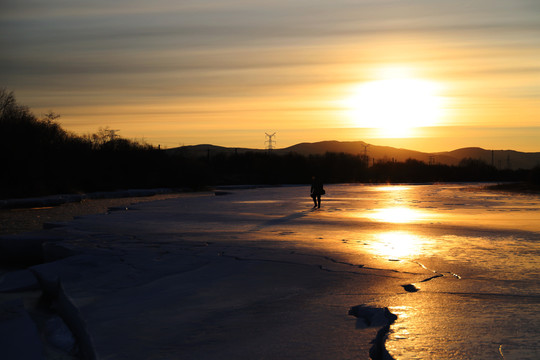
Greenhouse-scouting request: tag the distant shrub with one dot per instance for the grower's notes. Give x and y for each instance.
(534, 175)
(39, 157)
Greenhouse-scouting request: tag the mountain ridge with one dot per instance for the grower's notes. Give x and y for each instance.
(501, 159)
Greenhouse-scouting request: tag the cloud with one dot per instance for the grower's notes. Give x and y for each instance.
(81, 53)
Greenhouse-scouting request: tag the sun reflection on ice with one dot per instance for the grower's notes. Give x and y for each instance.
(400, 329)
(391, 188)
(396, 245)
(399, 215)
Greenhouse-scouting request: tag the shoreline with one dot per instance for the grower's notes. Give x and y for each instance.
(60, 199)
(516, 187)
(39, 212)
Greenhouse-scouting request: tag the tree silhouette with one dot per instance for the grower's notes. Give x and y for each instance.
(39, 157)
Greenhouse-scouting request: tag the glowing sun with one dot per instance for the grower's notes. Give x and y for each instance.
(395, 106)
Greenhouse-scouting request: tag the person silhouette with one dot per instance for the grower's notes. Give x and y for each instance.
(317, 190)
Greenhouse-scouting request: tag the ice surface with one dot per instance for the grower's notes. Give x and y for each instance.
(255, 273)
(19, 338)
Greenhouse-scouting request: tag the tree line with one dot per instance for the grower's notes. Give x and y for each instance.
(39, 157)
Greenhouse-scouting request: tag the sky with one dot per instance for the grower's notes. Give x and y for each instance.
(426, 75)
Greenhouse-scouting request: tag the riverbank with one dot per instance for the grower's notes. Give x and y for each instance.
(34, 214)
(519, 187)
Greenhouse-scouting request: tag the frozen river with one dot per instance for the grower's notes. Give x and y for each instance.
(482, 248)
(458, 265)
(487, 247)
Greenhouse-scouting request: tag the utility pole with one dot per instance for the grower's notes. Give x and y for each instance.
(366, 159)
(270, 141)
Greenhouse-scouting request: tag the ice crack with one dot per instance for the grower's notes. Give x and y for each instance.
(372, 316)
(412, 287)
(319, 266)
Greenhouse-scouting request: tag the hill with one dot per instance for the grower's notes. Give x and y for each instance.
(207, 149)
(502, 159)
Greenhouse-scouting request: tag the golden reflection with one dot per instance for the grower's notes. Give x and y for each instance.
(398, 215)
(396, 245)
(391, 188)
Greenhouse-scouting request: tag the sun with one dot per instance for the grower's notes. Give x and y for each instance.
(395, 106)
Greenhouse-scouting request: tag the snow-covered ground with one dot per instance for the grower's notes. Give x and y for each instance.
(256, 273)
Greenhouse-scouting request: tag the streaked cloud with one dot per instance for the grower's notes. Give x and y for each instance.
(242, 64)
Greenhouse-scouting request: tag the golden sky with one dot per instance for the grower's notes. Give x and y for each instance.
(427, 75)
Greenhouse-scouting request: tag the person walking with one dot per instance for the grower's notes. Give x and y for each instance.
(317, 190)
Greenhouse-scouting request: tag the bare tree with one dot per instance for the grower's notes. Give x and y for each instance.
(9, 109)
(50, 117)
(103, 136)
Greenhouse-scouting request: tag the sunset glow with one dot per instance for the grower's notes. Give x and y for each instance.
(396, 106)
(424, 75)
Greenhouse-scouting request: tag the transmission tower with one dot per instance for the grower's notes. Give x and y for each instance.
(270, 141)
(366, 158)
